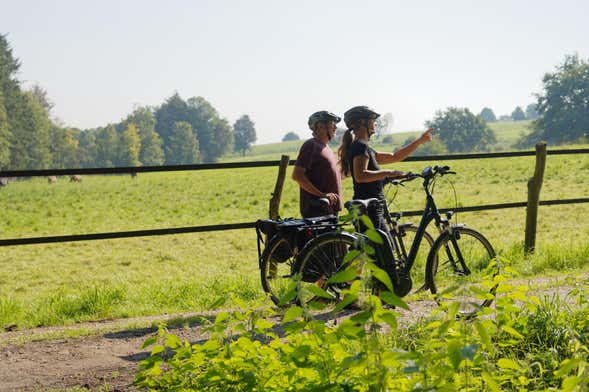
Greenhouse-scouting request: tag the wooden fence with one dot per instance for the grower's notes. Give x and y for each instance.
(534, 186)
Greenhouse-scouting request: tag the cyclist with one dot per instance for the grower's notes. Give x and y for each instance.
(316, 169)
(362, 162)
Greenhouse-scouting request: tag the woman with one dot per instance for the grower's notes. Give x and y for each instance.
(358, 159)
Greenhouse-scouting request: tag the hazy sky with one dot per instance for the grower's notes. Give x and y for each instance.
(279, 61)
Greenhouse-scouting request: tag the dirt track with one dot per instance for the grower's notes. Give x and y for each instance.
(108, 360)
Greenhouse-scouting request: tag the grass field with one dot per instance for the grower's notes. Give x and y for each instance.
(64, 283)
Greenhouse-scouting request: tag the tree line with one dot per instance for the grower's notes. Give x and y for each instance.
(176, 132)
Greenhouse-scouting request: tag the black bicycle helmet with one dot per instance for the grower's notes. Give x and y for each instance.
(322, 115)
(359, 113)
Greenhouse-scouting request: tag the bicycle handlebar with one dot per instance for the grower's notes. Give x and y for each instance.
(427, 173)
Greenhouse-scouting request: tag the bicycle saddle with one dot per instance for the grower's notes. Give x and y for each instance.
(362, 204)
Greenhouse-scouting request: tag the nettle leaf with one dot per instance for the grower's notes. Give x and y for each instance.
(505, 363)
(172, 341)
(264, 324)
(374, 236)
(221, 317)
(344, 276)
(289, 295)
(319, 292)
(566, 366)
(482, 331)
(391, 299)
(351, 329)
(454, 353)
(293, 313)
(388, 317)
(491, 384)
(361, 317)
(511, 331)
(158, 348)
(366, 220)
(149, 342)
(350, 256)
(301, 352)
(348, 299)
(381, 275)
(218, 303)
(570, 383)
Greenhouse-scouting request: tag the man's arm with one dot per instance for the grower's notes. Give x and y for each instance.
(300, 177)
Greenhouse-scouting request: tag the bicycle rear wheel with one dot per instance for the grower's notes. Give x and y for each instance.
(460, 268)
(322, 258)
(276, 267)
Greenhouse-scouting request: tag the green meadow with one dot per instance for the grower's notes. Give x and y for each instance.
(58, 284)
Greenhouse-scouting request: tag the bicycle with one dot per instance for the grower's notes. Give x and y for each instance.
(284, 240)
(457, 258)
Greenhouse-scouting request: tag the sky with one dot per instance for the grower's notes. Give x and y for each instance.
(279, 61)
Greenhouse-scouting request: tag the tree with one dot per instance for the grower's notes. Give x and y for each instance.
(183, 145)
(518, 114)
(290, 136)
(171, 111)
(64, 148)
(531, 111)
(152, 152)
(462, 131)
(87, 150)
(31, 129)
(214, 134)
(5, 136)
(488, 115)
(384, 124)
(42, 97)
(129, 147)
(244, 134)
(107, 141)
(563, 105)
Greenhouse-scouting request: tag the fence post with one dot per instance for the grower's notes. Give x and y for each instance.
(275, 200)
(534, 186)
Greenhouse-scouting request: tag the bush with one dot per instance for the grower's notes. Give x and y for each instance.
(512, 347)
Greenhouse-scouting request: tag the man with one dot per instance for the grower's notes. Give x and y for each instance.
(316, 169)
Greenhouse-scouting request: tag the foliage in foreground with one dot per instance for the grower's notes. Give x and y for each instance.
(522, 343)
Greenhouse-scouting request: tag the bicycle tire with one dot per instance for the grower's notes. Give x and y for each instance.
(419, 265)
(319, 260)
(276, 267)
(462, 279)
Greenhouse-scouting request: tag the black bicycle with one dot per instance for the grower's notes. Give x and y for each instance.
(455, 265)
(283, 239)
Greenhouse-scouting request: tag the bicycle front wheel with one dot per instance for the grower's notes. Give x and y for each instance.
(460, 268)
(276, 267)
(322, 258)
(418, 268)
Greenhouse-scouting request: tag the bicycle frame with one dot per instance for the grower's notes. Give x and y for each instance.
(430, 213)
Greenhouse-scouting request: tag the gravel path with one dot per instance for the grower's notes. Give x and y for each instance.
(108, 360)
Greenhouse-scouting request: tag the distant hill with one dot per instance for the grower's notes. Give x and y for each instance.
(507, 133)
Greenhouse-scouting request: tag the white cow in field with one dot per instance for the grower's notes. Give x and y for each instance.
(51, 180)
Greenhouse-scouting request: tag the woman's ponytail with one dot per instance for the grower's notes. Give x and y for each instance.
(343, 153)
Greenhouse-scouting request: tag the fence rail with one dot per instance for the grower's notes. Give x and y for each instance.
(242, 165)
(247, 225)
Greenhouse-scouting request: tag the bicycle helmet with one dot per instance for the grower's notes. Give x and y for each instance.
(359, 113)
(322, 115)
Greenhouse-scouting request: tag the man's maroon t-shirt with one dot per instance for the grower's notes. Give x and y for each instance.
(320, 164)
